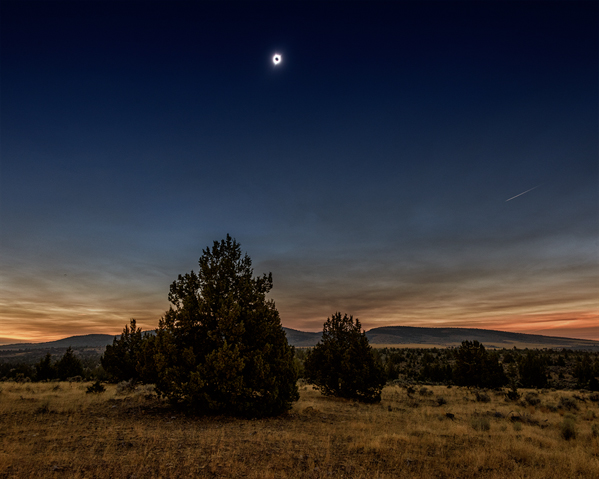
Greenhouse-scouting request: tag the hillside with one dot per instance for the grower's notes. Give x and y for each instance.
(447, 337)
(84, 341)
(397, 336)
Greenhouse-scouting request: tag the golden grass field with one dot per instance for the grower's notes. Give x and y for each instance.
(57, 430)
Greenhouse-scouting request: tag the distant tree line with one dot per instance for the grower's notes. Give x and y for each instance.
(132, 360)
(68, 366)
(473, 366)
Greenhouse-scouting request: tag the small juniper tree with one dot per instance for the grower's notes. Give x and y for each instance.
(220, 348)
(45, 370)
(68, 366)
(343, 364)
(120, 360)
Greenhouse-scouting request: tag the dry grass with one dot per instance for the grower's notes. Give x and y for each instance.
(47, 431)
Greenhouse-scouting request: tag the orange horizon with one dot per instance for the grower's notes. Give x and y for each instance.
(582, 325)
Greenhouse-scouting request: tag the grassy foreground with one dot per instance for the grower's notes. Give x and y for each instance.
(57, 430)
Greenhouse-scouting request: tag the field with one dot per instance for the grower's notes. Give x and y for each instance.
(57, 430)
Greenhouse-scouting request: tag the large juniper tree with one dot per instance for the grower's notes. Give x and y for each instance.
(220, 347)
(343, 364)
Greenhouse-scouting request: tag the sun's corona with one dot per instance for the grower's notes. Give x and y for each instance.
(277, 58)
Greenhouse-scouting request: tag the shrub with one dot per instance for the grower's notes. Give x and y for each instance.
(146, 390)
(125, 387)
(44, 408)
(425, 392)
(532, 399)
(568, 428)
(517, 426)
(589, 415)
(567, 403)
(343, 364)
(513, 394)
(95, 388)
(480, 423)
(441, 401)
(482, 397)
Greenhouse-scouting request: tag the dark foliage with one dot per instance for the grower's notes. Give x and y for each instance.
(45, 370)
(146, 361)
(220, 348)
(435, 371)
(343, 364)
(532, 371)
(513, 394)
(586, 373)
(508, 358)
(95, 388)
(122, 360)
(68, 366)
(475, 367)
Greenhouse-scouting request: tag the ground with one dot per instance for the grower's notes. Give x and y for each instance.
(57, 430)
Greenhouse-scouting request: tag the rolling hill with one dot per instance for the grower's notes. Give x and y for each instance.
(446, 337)
(392, 336)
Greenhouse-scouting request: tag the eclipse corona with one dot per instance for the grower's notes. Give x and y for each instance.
(277, 58)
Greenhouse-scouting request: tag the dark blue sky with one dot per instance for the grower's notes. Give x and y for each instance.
(369, 171)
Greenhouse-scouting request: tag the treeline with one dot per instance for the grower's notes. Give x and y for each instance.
(472, 365)
(71, 365)
(129, 358)
(469, 365)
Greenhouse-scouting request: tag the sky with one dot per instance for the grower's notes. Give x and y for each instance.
(379, 170)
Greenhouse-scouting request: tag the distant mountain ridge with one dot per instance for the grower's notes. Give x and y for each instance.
(413, 336)
(444, 337)
(83, 341)
(392, 336)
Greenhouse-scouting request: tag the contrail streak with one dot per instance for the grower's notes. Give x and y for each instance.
(523, 193)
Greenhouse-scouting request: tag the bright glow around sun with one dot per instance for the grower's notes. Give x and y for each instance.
(277, 58)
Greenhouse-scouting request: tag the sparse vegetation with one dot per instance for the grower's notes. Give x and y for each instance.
(568, 428)
(512, 394)
(567, 403)
(125, 387)
(48, 432)
(532, 399)
(482, 397)
(95, 388)
(480, 423)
